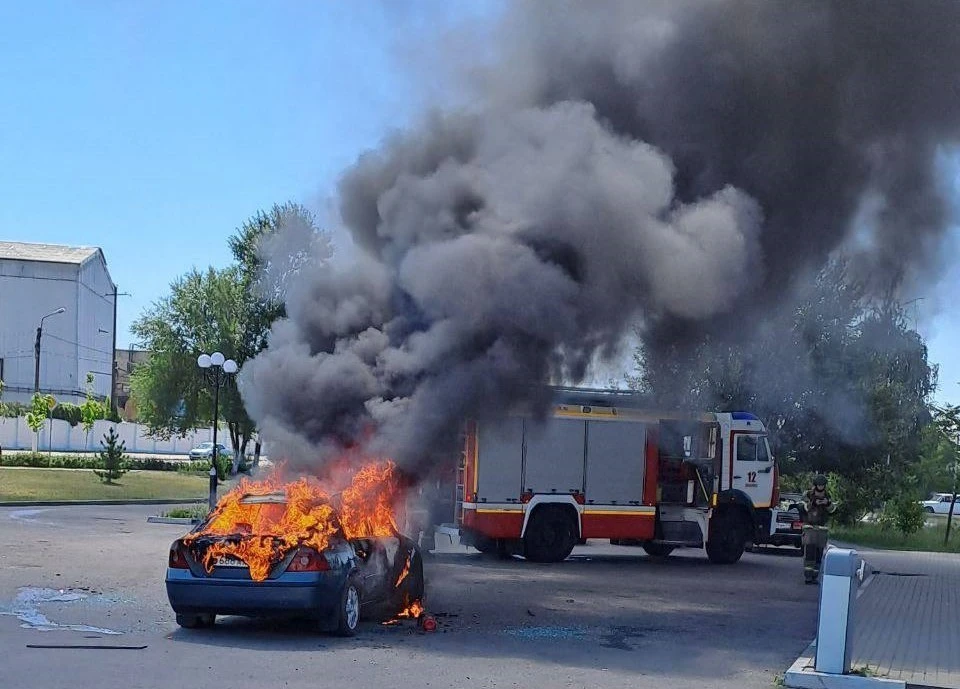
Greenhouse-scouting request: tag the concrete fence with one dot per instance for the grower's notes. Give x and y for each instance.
(59, 436)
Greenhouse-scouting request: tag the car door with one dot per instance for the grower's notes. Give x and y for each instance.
(374, 568)
(943, 507)
(753, 467)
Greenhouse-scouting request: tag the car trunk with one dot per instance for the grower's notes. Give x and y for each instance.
(245, 536)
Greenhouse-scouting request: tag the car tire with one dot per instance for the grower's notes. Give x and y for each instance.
(929, 510)
(551, 535)
(348, 617)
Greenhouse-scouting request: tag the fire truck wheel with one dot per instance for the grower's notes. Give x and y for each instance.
(485, 545)
(657, 549)
(551, 535)
(727, 538)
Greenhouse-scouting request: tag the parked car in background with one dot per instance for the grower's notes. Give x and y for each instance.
(786, 527)
(205, 450)
(939, 503)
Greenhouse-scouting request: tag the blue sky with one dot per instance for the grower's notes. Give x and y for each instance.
(153, 129)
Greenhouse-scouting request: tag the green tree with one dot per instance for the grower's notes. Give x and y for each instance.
(40, 408)
(947, 423)
(90, 411)
(908, 515)
(229, 310)
(112, 457)
(841, 381)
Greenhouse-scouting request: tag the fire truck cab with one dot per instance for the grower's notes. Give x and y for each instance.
(597, 467)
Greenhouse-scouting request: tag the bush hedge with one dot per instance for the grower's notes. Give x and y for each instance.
(29, 459)
(11, 410)
(71, 413)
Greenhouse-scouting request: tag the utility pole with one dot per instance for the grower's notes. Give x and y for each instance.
(954, 469)
(113, 360)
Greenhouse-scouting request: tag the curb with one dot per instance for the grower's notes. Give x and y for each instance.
(801, 675)
(173, 520)
(70, 503)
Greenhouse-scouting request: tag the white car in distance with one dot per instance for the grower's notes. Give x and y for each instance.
(939, 503)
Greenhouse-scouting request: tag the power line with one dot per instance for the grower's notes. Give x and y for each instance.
(77, 344)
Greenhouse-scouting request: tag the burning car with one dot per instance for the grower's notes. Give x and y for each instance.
(298, 551)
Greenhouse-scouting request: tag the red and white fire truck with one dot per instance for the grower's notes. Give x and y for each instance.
(599, 466)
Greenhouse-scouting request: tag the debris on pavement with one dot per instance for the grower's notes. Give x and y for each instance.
(89, 646)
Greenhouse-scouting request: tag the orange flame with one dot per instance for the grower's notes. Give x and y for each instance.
(404, 572)
(414, 610)
(312, 513)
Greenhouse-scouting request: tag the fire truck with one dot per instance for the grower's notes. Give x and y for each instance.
(600, 466)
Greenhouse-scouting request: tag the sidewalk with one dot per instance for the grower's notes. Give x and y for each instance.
(908, 618)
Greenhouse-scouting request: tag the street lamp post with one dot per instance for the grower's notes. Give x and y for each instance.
(216, 369)
(36, 349)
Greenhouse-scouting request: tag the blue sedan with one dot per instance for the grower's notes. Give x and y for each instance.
(333, 588)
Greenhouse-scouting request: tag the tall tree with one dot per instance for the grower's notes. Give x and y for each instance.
(228, 310)
(841, 381)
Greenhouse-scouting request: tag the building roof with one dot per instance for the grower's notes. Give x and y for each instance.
(47, 253)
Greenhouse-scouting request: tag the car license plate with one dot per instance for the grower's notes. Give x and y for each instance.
(797, 526)
(230, 562)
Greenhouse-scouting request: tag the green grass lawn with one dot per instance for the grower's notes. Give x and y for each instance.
(82, 484)
(928, 539)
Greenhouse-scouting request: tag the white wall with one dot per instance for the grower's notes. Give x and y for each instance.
(28, 291)
(59, 436)
(95, 314)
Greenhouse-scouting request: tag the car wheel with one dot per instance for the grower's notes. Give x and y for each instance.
(349, 610)
(551, 535)
(928, 510)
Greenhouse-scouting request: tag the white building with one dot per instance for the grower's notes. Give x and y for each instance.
(41, 279)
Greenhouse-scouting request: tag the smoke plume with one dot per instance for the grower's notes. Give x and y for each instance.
(661, 163)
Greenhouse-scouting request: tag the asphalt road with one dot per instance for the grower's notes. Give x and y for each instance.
(608, 617)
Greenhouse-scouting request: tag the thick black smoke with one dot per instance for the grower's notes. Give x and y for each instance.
(667, 163)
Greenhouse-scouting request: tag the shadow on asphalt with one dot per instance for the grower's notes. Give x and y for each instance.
(290, 635)
(774, 551)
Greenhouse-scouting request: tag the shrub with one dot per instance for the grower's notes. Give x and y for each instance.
(908, 515)
(195, 467)
(887, 520)
(37, 460)
(12, 410)
(71, 413)
(194, 512)
(111, 457)
(224, 466)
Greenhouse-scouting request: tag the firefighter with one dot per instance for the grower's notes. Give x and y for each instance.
(817, 505)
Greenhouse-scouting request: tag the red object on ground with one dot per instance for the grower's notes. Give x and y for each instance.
(428, 623)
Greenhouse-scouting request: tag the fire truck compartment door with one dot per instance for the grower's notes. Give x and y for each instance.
(553, 461)
(615, 462)
(500, 457)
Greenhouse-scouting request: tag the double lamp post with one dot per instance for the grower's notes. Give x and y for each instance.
(216, 370)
